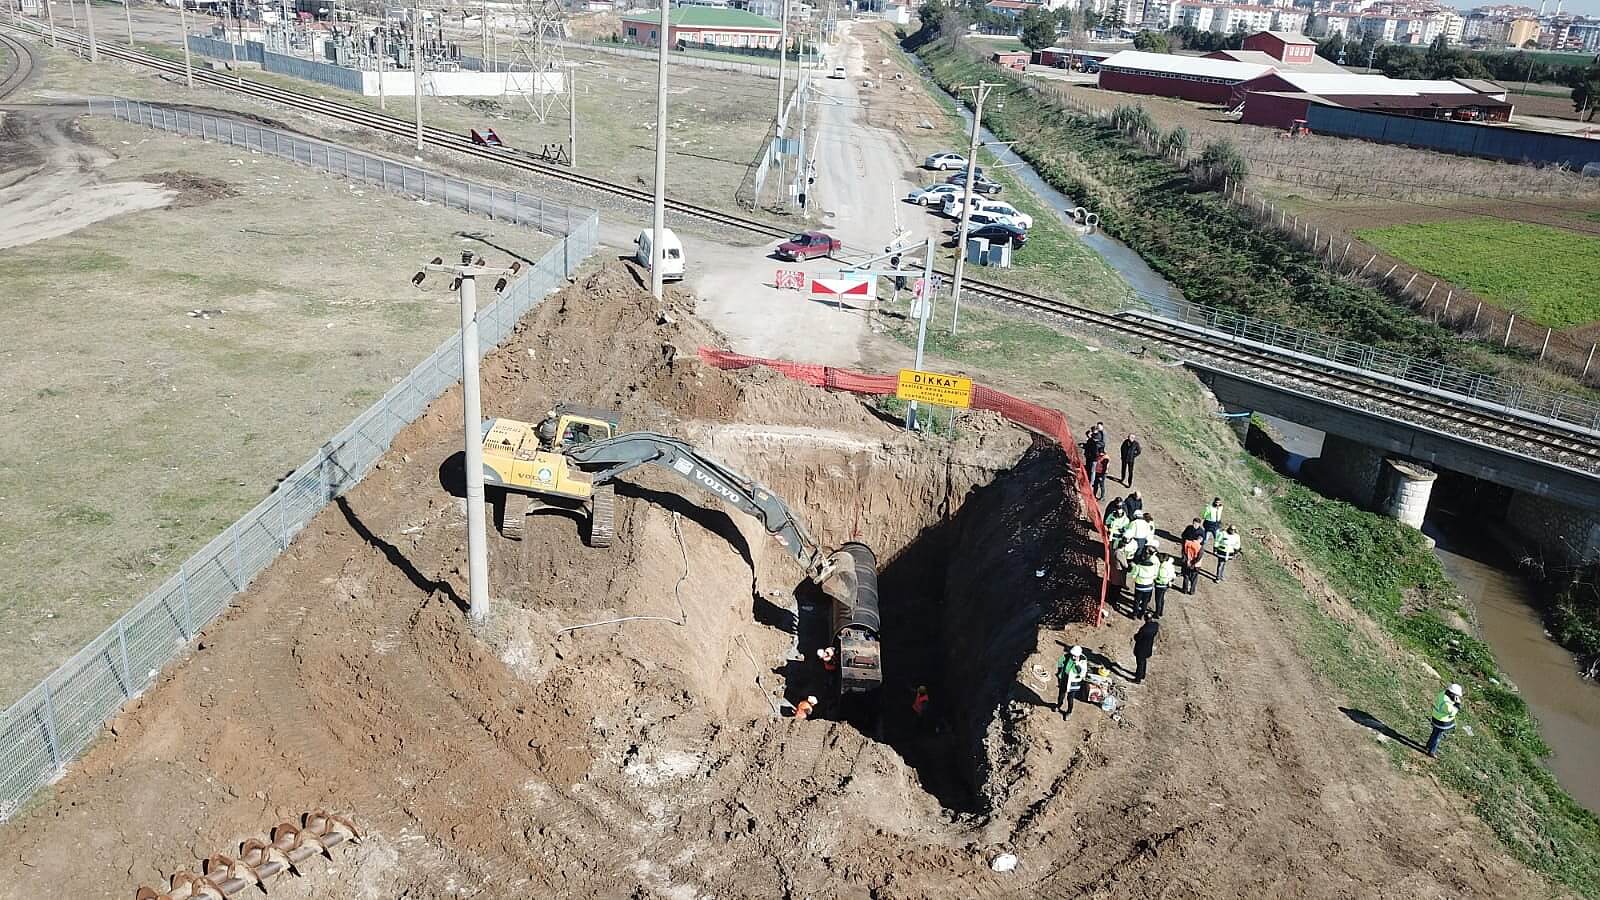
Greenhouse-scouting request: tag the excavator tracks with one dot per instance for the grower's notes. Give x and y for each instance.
(602, 516)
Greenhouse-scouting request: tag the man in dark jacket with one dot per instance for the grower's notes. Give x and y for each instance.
(1144, 646)
(1133, 504)
(1094, 445)
(1129, 452)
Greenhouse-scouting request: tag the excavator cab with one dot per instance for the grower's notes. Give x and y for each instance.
(525, 464)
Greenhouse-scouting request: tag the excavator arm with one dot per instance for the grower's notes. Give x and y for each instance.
(605, 460)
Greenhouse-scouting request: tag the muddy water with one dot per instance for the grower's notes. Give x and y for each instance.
(1567, 706)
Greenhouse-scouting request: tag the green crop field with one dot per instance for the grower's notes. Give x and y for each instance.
(1544, 273)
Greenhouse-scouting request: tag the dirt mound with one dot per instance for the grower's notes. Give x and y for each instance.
(647, 756)
(192, 188)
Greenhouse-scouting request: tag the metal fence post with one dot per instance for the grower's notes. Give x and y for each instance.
(122, 647)
(188, 602)
(50, 727)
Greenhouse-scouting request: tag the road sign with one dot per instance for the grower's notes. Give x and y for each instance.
(858, 287)
(935, 387)
(789, 280)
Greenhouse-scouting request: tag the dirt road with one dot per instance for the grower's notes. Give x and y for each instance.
(50, 183)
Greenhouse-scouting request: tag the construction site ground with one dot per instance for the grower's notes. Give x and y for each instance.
(719, 123)
(135, 430)
(642, 759)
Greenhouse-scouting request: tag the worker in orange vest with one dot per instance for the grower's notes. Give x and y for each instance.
(805, 708)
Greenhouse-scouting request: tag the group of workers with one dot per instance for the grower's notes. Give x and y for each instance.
(1136, 552)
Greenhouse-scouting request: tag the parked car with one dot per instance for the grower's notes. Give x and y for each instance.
(934, 194)
(979, 219)
(952, 208)
(809, 244)
(1001, 233)
(671, 253)
(941, 161)
(838, 72)
(981, 184)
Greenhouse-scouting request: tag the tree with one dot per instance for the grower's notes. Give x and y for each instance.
(1586, 95)
(1038, 29)
(1176, 144)
(1330, 47)
(1091, 20)
(1064, 20)
(1152, 41)
(1220, 161)
(1117, 17)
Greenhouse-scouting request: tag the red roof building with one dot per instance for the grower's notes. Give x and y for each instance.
(1278, 98)
(1290, 49)
(1167, 75)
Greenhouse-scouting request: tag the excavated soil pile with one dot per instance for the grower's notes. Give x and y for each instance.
(634, 758)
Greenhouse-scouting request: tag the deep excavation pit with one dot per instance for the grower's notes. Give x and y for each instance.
(638, 758)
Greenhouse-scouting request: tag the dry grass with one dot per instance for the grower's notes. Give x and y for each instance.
(135, 432)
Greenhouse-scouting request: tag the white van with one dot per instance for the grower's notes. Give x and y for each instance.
(671, 254)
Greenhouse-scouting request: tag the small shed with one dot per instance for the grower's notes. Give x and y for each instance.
(1011, 59)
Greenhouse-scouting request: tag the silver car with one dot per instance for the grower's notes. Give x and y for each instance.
(941, 161)
(934, 194)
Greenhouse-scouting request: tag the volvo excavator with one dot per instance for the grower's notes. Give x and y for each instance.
(570, 458)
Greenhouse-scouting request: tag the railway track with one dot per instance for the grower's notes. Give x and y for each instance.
(18, 66)
(1571, 447)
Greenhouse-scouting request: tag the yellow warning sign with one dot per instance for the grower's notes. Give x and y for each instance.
(935, 387)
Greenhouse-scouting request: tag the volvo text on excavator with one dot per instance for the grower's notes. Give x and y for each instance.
(572, 456)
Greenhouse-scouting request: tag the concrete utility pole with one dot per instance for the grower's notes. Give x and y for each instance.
(484, 27)
(572, 118)
(127, 15)
(233, 48)
(183, 35)
(50, 13)
(88, 18)
(982, 88)
(783, 57)
(416, 66)
(382, 36)
(467, 276)
(926, 308)
(658, 225)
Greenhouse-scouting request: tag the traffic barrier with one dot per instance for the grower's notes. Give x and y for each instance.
(1051, 423)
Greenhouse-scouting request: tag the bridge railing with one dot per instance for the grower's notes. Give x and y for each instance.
(1487, 390)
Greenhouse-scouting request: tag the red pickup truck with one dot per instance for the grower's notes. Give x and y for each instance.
(808, 244)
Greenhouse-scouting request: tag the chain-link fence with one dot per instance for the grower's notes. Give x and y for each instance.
(46, 729)
(398, 177)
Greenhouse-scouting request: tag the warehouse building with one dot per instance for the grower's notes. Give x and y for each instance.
(1278, 98)
(704, 26)
(1187, 77)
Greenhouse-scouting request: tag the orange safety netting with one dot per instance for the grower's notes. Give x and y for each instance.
(1040, 419)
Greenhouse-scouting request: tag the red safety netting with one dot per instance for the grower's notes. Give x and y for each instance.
(1040, 419)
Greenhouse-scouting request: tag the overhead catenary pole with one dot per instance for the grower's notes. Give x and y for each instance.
(183, 34)
(658, 225)
(382, 36)
(484, 27)
(416, 67)
(982, 89)
(572, 117)
(926, 308)
(50, 14)
(783, 56)
(127, 15)
(233, 49)
(88, 20)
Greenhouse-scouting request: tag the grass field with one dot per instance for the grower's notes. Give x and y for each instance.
(134, 432)
(717, 120)
(1546, 274)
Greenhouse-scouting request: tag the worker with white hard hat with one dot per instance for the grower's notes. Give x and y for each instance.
(1445, 709)
(1071, 670)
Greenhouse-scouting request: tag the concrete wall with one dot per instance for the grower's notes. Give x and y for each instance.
(1564, 535)
(1348, 470)
(462, 84)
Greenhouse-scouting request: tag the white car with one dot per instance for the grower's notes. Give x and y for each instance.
(934, 194)
(838, 72)
(952, 208)
(942, 161)
(979, 219)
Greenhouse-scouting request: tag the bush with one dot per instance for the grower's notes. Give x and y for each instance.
(1219, 162)
(1176, 144)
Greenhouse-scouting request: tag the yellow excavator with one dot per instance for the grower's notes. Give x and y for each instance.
(570, 458)
(528, 463)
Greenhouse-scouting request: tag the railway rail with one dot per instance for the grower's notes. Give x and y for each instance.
(1570, 447)
(18, 66)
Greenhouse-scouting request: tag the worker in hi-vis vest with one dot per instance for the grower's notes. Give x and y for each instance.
(1166, 574)
(1227, 548)
(1445, 709)
(1144, 570)
(1211, 521)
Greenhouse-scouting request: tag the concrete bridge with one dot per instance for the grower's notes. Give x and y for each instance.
(1388, 458)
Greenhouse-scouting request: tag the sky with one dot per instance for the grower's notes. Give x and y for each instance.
(1576, 7)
